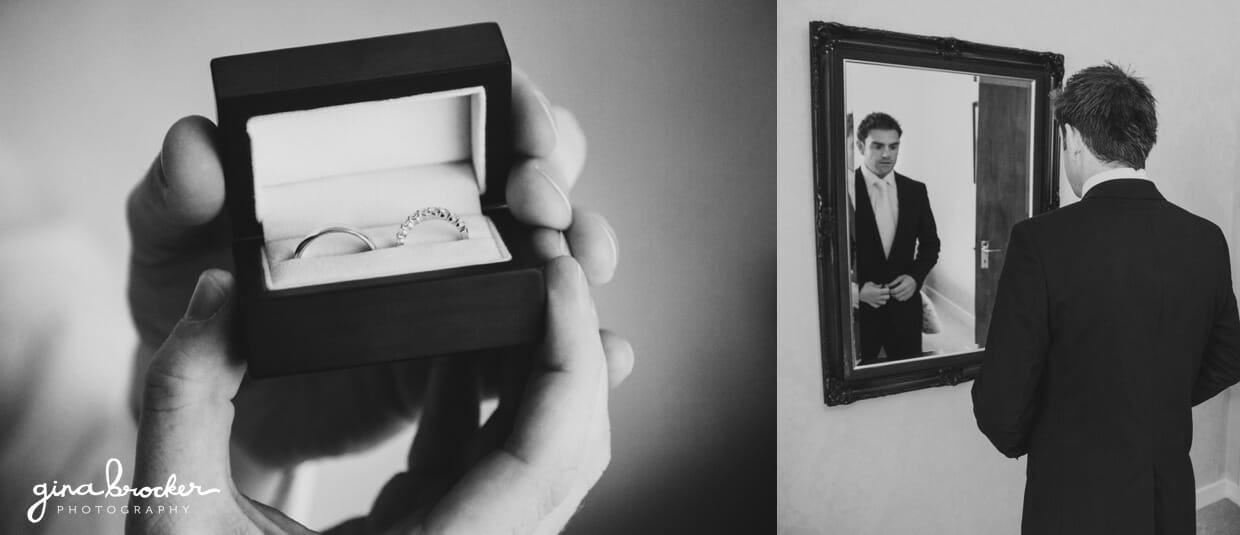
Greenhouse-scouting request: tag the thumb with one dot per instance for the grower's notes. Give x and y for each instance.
(187, 413)
(182, 191)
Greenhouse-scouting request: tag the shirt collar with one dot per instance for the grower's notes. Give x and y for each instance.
(1112, 174)
(871, 178)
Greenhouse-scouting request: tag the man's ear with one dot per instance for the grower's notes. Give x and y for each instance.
(861, 146)
(1073, 142)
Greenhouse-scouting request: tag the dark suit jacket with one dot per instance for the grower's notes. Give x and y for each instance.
(915, 247)
(1114, 316)
(914, 251)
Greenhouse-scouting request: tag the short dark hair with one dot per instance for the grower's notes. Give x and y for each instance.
(1113, 110)
(848, 124)
(878, 121)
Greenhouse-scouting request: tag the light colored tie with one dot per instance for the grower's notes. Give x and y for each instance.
(884, 216)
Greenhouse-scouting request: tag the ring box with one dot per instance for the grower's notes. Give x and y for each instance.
(360, 134)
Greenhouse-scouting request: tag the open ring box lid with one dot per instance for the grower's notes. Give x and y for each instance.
(361, 134)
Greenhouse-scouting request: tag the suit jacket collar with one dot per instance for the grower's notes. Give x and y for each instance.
(1125, 188)
(903, 197)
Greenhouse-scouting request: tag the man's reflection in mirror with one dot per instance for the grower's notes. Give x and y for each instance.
(895, 245)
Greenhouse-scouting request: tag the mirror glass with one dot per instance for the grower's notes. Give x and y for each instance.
(938, 167)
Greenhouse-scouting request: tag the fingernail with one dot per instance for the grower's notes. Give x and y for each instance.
(554, 185)
(207, 299)
(581, 277)
(611, 237)
(546, 106)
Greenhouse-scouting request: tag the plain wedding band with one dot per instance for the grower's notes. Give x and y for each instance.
(305, 242)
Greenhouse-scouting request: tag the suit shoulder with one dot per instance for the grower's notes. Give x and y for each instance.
(1194, 219)
(918, 188)
(1191, 224)
(905, 180)
(1041, 222)
(1207, 237)
(1069, 219)
(1052, 225)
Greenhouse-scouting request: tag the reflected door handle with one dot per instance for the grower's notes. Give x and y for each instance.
(986, 250)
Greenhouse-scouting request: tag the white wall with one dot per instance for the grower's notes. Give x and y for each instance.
(915, 463)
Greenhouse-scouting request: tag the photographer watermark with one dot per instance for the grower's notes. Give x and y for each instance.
(114, 489)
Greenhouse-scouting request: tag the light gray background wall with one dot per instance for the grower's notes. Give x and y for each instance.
(915, 463)
(677, 100)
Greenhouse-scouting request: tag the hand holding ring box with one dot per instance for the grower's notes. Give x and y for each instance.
(359, 135)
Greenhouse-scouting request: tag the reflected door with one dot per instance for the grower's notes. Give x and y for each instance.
(1003, 165)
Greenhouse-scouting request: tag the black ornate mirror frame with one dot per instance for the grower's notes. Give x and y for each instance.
(831, 44)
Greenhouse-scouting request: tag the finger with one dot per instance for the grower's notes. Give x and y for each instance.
(593, 243)
(182, 191)
(516, 487)
(537, 195)
(533, 124)
(590, 240)
(596, 458)
(561, 388)
(187, 410)
(549, 244)
(619, 357)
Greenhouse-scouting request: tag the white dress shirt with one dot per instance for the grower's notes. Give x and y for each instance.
(1112, 174)
(892, 206)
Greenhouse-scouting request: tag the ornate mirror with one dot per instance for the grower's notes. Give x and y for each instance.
(926, 151)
